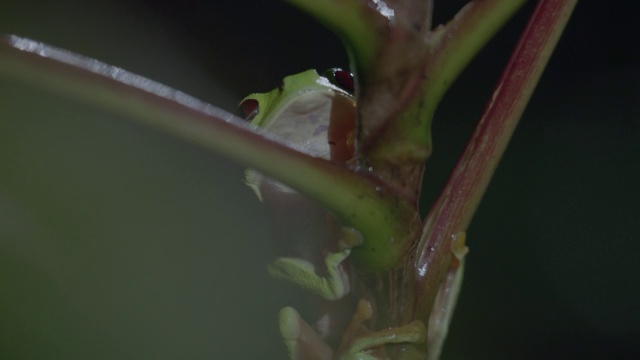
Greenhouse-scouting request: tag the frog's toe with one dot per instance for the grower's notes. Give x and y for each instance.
(289, 321)
(349, 238)
(301, 341)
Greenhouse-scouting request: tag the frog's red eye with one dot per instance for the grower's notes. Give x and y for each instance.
(345, 80)
(250, 108)
(341, 78)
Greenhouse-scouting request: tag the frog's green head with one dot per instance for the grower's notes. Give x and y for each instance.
(314, 113)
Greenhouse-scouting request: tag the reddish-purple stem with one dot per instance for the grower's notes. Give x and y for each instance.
(455, 207)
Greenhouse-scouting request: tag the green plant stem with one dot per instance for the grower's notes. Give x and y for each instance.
(455, 207)
(451, 48)
(353, 22)
(360, 200)
(460, 40)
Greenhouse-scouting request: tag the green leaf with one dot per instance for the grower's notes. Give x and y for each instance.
(361, 200)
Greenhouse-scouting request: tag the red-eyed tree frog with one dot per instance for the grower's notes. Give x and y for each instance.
(316, 115)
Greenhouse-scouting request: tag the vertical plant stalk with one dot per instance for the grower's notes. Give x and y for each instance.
(455, 207)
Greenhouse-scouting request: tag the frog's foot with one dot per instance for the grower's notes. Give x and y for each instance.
(301, 340)
(335, 284)
(360, 343)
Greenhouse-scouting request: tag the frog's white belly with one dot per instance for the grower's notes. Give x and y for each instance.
(304, 123)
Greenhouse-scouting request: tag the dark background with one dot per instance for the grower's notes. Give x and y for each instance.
(120, 242)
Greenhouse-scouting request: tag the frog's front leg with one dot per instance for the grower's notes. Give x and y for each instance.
(302, 273)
